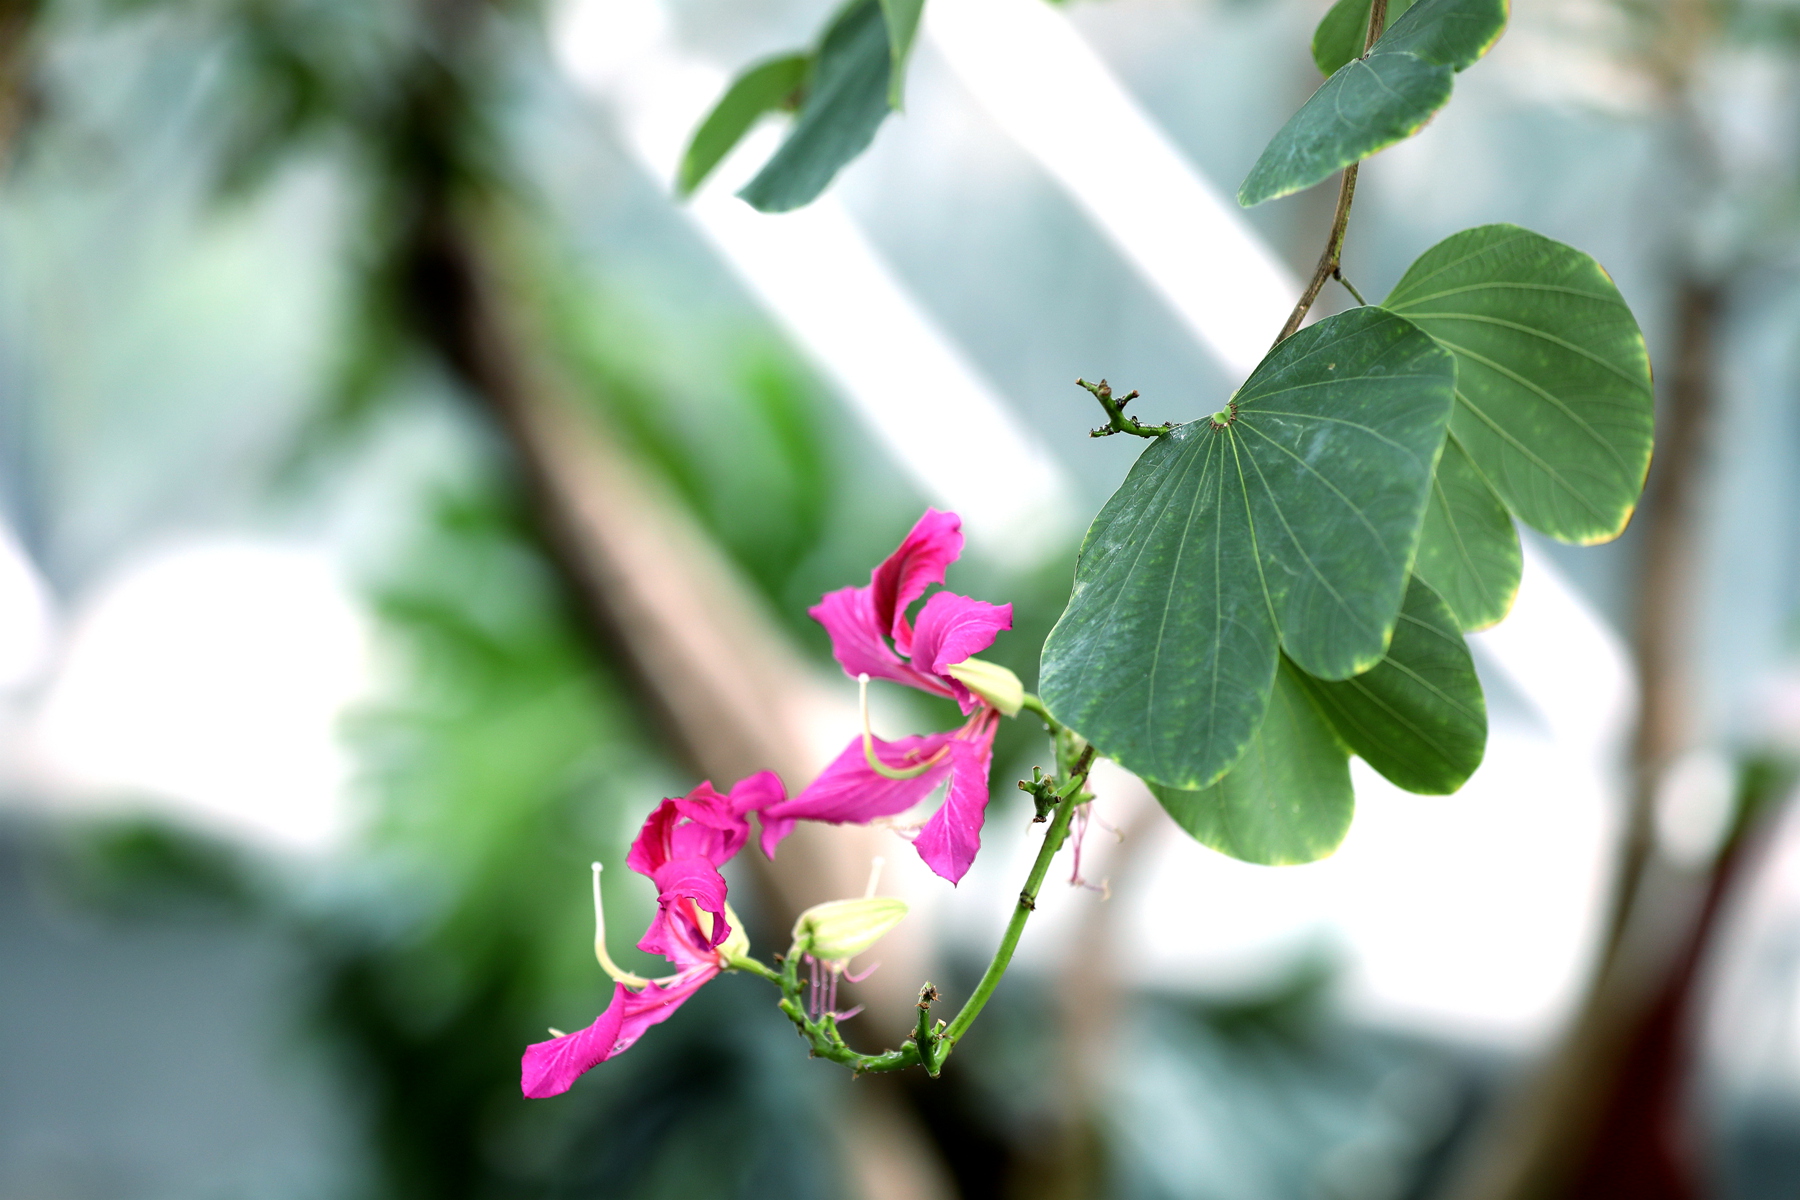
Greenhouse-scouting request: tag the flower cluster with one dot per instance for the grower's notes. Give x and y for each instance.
(686, 840)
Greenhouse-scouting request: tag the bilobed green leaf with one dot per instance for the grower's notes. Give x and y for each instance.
(1455, 33)
(1370, 103)
(1288, 799)
(844, 107)
(1417, 716)
(1468, 548)
(902, 17)
(1343, 30)
(1553, 382)
(1290, 521)
(773, 86)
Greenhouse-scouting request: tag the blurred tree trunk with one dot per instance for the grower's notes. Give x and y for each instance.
(18, 22)
(1607, 1115)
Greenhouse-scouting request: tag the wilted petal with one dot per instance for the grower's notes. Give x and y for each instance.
(923, 555)
(850, 791)
(953, 628)
(952, 836)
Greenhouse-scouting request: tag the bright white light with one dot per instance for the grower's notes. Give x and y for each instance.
(816, 274)
(1694, 806)
(209, 681)
(27, 621)
(1566, 661)
(1044, 85)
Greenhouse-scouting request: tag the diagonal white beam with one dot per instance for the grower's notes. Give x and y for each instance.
(815, 272)
(1053, 95)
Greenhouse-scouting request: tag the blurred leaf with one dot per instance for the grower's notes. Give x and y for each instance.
(1292, 524)
(1344, 30)
(902, 18)
(1418, 715)
(1370, 103)
(1468, 548)
(1288, 800)
(846, 104)
(778, 85)
(1554, 403)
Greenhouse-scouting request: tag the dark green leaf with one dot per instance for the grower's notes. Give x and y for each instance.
(772, 86)
(1417, 716)
(1288, 800)
(1292, 523)
(1369, 104)
(1468, 548)
(1553, 382)
(1455, 33)
(1341, 34)
(902, 18)
(844, 107)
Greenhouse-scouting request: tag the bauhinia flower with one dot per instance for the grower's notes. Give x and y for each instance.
(681, 848)
(872, 638)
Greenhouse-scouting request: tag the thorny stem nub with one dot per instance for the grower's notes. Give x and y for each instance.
(930, 1043)
(1116, 420)
(1340, 220)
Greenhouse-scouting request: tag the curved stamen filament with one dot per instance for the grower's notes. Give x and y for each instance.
(606, 962)
(875, 764)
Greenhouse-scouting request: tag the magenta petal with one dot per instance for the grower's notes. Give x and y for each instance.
(849, 791)
(757, 793)
(919, 561)
(687, 879)
(550, 1068)
(952, 836)
(857, 640)
(701, 824)
(952, 628)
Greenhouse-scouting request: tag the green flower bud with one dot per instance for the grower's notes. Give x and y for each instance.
(842, 929)
(737, 943)
(992, 682)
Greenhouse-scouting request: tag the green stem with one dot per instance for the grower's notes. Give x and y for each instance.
(1116, 420)
(928, 1046)
(1054, 837)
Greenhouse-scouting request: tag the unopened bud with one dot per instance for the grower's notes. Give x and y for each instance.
(842, 929)
(737, 943)
(992, 682)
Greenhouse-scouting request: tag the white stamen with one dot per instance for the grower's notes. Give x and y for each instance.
(555, 1032)
(874, 876)
(606, 962)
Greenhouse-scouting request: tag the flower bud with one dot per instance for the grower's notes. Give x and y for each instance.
(992, 682)
(842, 929)
(737, 943)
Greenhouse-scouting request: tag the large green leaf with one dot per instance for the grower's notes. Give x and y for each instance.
(1417, 716)
(844, 107)
(1289, 518)
(902, 17)
(1288, 800)
(1468, 548)
(1553, 382)
(1345, 27)
(1370, 103)
(773, 86)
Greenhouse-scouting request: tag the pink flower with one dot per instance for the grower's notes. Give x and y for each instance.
(871, 637)
(680, 848)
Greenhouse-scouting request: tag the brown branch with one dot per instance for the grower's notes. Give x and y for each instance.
(1330, 260)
